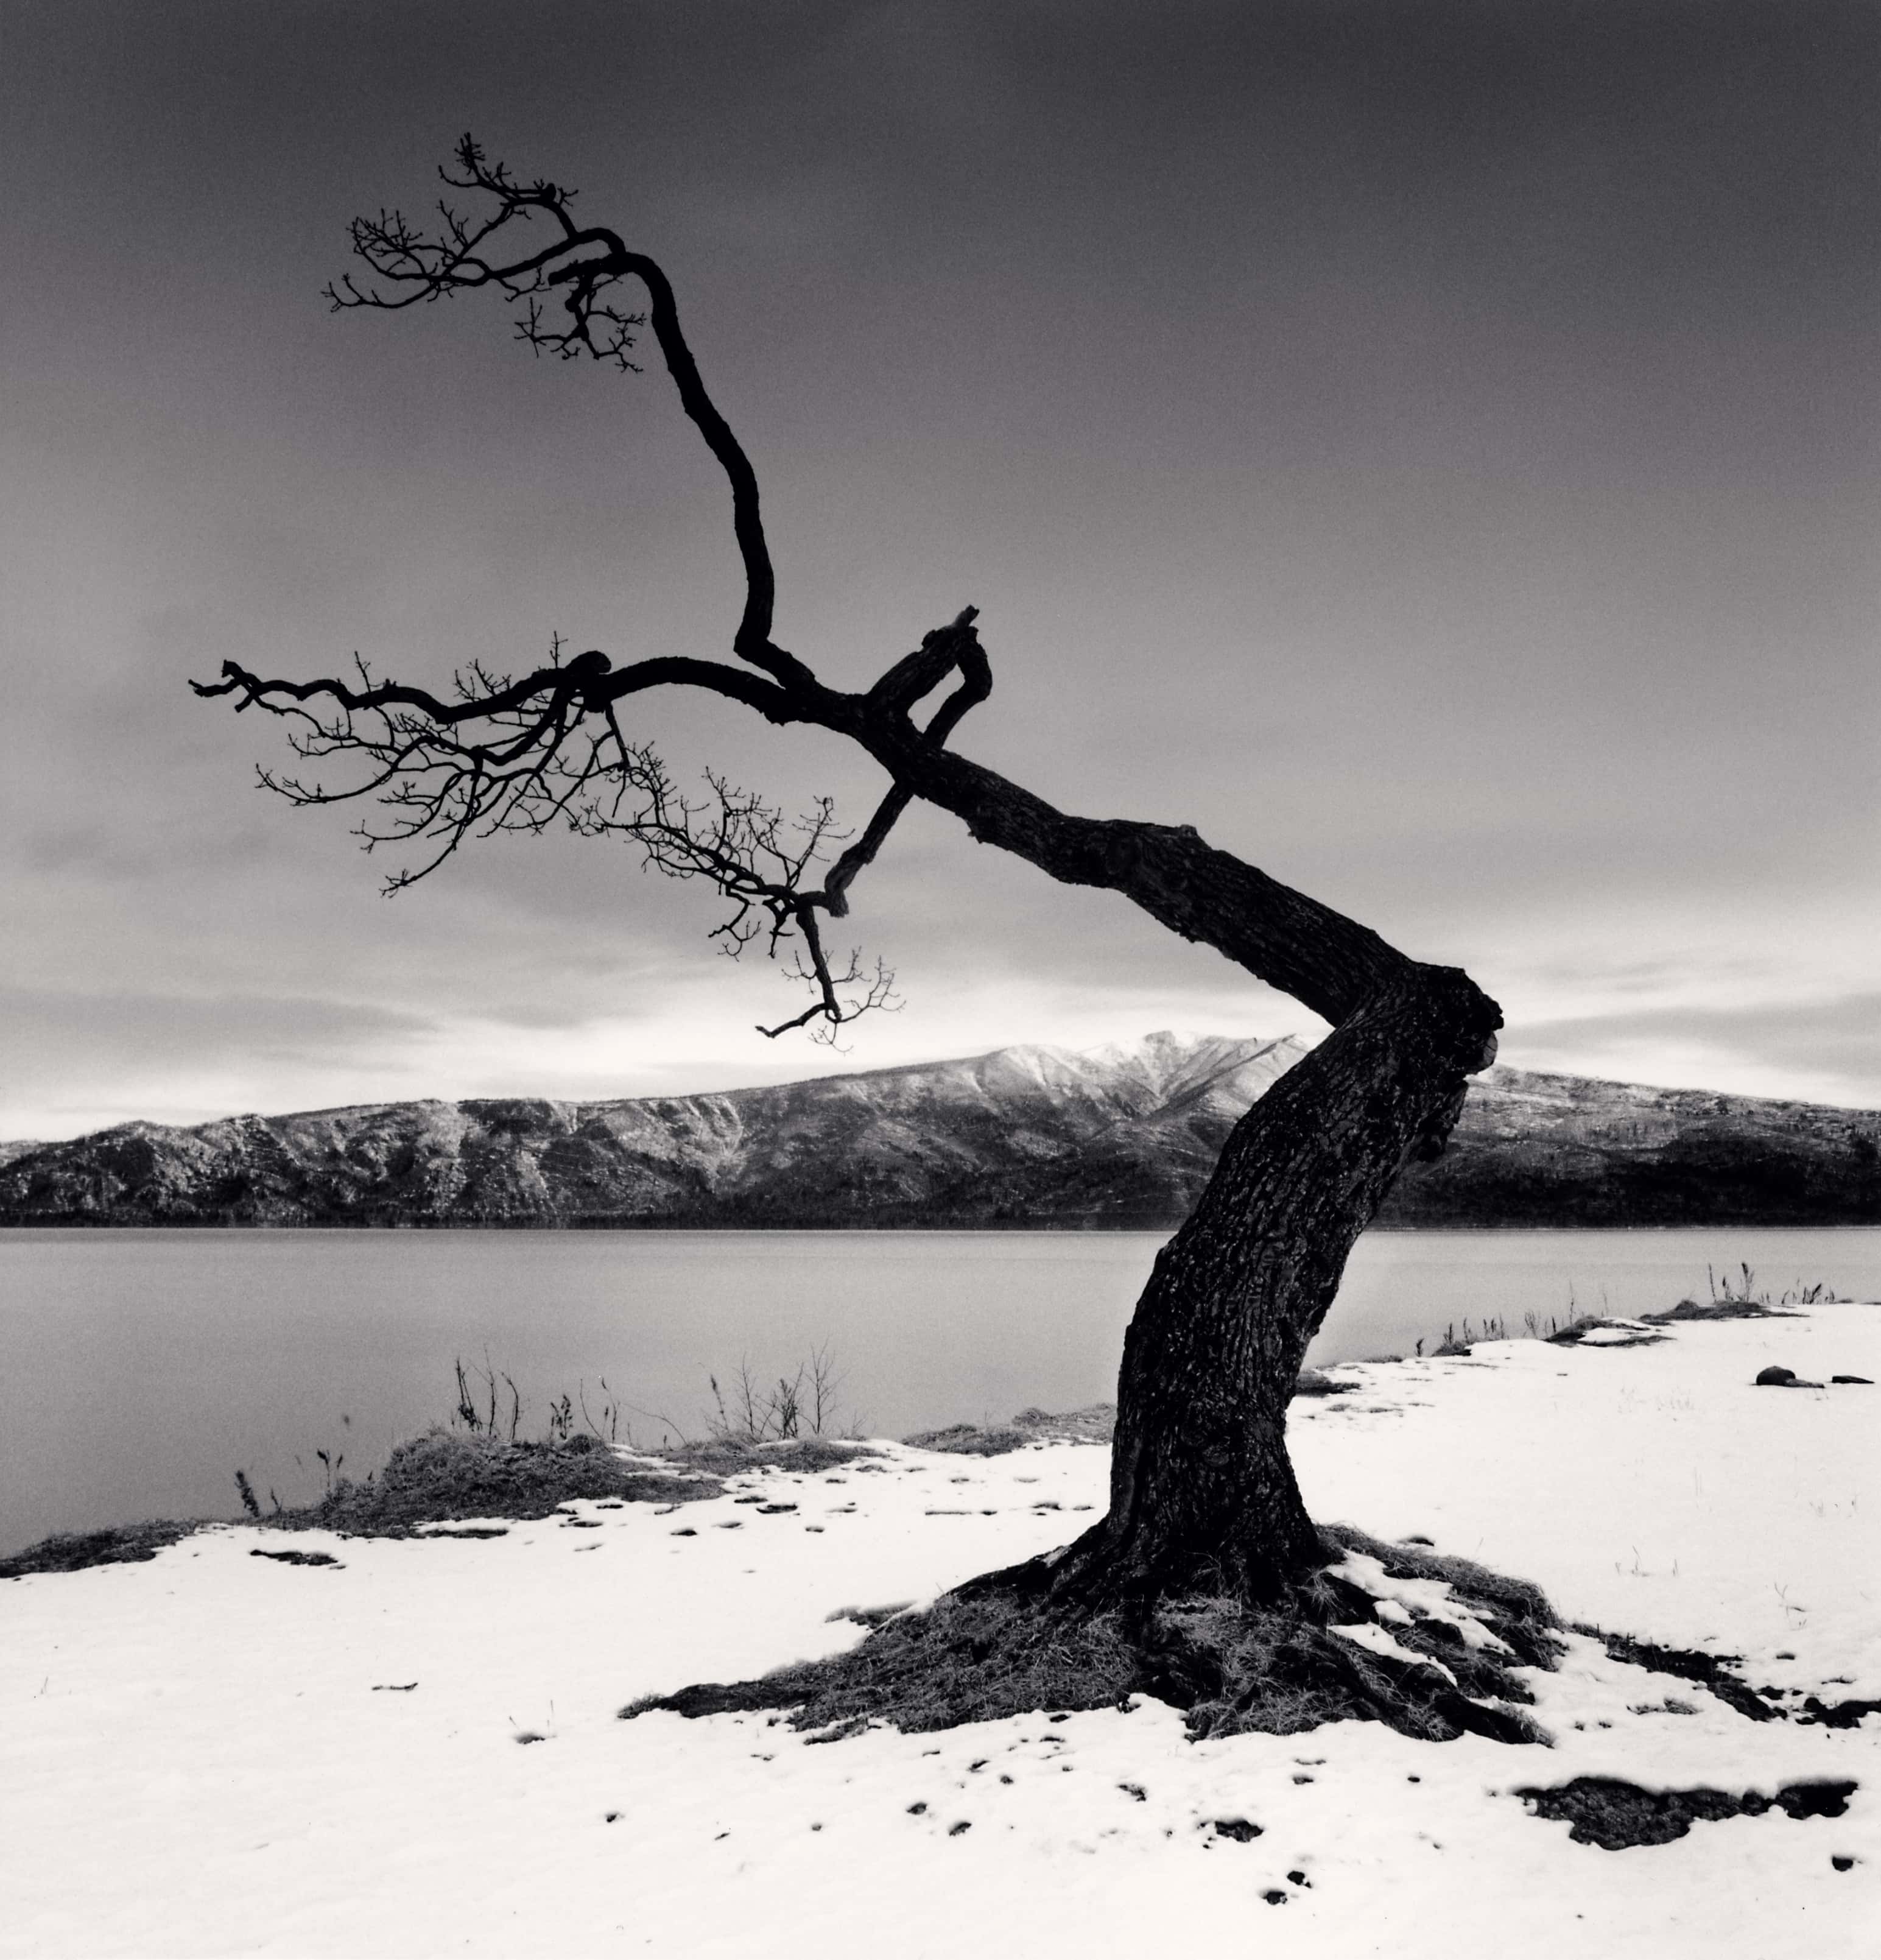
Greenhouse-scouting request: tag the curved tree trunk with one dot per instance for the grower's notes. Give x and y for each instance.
(1202, 1493)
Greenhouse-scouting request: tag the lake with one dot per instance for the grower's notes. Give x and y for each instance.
(138, 1369)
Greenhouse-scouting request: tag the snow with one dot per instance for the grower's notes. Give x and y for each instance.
(1401, 1600)
(214, 1753)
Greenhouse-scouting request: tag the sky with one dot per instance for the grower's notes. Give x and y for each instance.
(1428, 445)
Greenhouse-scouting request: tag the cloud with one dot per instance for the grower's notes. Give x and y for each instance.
(1821, 1050)
(75, 1061)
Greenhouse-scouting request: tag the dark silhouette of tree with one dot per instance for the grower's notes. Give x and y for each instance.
(1204, 1501)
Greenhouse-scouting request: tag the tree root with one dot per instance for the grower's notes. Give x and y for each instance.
(1005, 1646)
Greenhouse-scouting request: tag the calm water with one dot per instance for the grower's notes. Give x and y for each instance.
(138, 1369)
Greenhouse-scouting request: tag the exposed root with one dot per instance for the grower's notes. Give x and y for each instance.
(1424, 1644)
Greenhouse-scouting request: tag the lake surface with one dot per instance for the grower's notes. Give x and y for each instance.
(138, 1369)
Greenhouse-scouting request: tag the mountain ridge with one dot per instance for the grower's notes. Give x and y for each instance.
(1028, 1136)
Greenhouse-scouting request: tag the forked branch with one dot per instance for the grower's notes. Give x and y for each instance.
(554, 756)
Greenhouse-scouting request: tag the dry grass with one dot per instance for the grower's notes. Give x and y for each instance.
(78, 1551)
(449, 1474)
(962, 1660)
(1719, 1310)
(1096, 1424)
(970, 1438)
(732, 1455)
(1514, 1610)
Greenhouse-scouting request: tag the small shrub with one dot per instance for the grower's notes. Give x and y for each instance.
(745, 1410)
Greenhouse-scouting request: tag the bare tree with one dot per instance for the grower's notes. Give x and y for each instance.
(1203, 1500)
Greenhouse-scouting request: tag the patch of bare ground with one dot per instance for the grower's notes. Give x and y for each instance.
(1617, 1815)
(1710, 1671)
(1003, 1646)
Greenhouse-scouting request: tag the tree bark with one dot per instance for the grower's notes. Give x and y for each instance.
(1202, 1492)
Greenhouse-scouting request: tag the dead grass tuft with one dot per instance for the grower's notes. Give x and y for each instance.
(78, 1551)
(1095, 1424)
(449, 1473)
(969, 1439)
(1719, 1310)
(732, 1455)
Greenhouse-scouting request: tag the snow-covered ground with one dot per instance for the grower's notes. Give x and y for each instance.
(418, 1752)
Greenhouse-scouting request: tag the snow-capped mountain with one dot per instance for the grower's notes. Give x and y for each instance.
(1125, 1135)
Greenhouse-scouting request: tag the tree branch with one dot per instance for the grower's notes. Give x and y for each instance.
(550, 750)
(590, 678)
(582, 265)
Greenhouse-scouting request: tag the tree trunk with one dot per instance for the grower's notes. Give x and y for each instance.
(1202, 1494)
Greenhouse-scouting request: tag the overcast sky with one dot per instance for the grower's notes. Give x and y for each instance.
(1430, 447)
